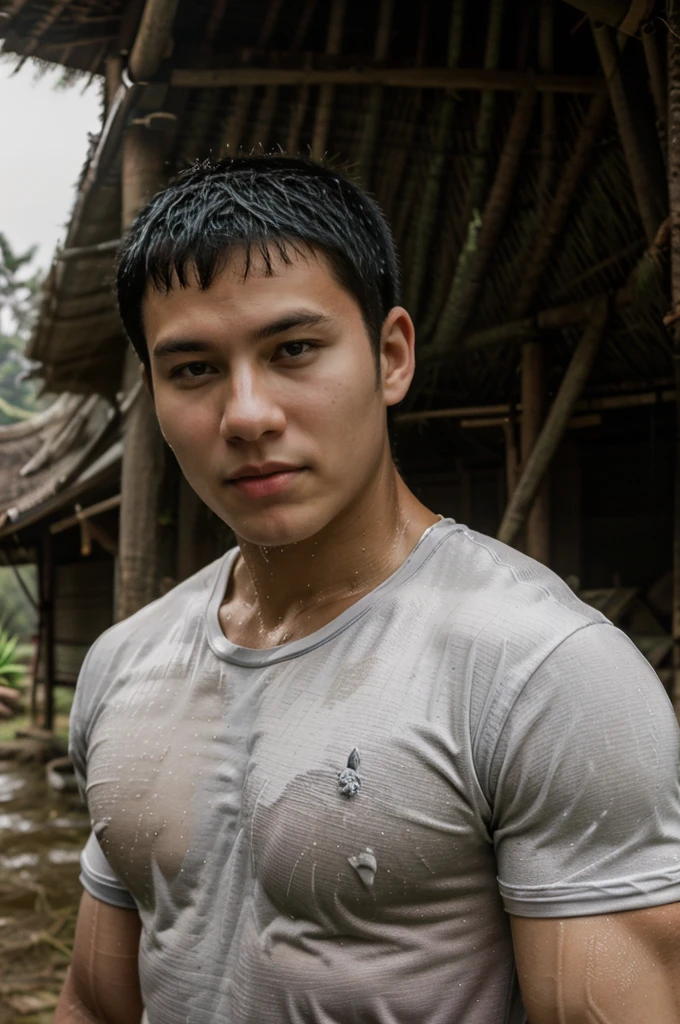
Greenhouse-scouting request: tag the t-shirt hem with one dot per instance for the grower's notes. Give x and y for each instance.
(107, 893)
(590, 902)
(103, 888)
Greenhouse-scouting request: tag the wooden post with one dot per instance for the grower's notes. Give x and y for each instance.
(533, 403)
(47, 624)
(511, 458)
(139, 551)
(673, 14)
(548, 441)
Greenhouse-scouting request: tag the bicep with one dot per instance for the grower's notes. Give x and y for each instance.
(104, 976)
(619, 968)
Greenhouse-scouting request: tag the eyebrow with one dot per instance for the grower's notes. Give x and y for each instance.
(174, 345)
(298, 318)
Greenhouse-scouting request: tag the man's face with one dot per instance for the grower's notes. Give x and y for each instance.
(266, 389)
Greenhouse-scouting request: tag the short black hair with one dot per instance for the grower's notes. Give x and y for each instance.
(274, 204)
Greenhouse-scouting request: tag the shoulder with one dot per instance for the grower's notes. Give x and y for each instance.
(501, 598)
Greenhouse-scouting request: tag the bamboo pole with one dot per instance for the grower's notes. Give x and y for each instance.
(511, 454)
(571, 314)
(499, 413)
(324, 106)
(372, 116)
(469, 279)
(533, 402)
(436, 164)
(625, 15)
(299, 108)
(553, 429)
(153, 36)
(46, 628)
(673, 14)
(238, 116)
(390, 188)
(644, 164)
(555, 216)
(533, 356)
(485, 123)
(140, 561)
(468, 79)
(655, 57)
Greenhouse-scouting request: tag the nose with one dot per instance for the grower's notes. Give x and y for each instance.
(250, 407)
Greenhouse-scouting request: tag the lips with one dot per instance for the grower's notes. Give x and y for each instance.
(263, 481)
(264, 469)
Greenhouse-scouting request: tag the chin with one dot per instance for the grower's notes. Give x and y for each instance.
(277, 527)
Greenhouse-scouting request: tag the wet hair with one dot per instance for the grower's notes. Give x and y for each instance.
(278, 206)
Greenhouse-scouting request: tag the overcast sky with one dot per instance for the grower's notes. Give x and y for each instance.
(43, 144)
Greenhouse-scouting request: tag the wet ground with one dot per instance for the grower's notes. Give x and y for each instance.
(41, 835)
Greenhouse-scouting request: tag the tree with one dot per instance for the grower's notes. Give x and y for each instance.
(19, 294)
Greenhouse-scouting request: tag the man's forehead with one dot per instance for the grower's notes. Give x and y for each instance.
(238, 265)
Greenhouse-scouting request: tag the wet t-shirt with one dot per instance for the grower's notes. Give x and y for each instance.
(337, 829)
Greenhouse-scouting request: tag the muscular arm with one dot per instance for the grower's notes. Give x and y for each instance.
(102, 986)
(611, 969)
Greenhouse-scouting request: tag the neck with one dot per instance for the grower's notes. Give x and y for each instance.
(297, 588)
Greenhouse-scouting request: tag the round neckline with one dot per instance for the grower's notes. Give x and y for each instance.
(255, 657)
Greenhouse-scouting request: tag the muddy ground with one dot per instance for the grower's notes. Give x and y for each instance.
(41, 835)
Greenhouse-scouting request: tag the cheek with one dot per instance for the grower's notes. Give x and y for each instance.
(187, 426)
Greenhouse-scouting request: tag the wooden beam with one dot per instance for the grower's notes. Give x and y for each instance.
(625, 15)
(499, 413)
(560, 413)
(151, 41)
(464, 79)
(674, 197)
(572, 313)
(86, 513)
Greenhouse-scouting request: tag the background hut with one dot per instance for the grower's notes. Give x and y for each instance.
(522, 152)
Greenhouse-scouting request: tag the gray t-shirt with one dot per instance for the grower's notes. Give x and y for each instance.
(516, 753)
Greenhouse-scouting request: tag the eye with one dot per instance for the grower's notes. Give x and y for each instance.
(294, 349)
(191, 371)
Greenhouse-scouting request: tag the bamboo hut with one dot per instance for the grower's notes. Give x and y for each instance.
(528, 157)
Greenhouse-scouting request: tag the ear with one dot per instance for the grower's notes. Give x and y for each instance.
(397, 355)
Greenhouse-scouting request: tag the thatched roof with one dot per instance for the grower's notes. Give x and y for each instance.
(510, 192)
(50, 457)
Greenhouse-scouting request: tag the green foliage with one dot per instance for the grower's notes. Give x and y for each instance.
(19, 293)
(17, 614)
(12, 671)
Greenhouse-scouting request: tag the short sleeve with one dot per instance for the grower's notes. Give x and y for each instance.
(584, 784)
(99, 879)
(96, 875)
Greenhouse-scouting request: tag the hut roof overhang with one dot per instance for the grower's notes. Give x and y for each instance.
(261, 73)
(51, 459)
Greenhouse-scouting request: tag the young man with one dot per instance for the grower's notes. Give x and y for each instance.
(369, 766)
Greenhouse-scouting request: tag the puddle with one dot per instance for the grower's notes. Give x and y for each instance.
(41, 832)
